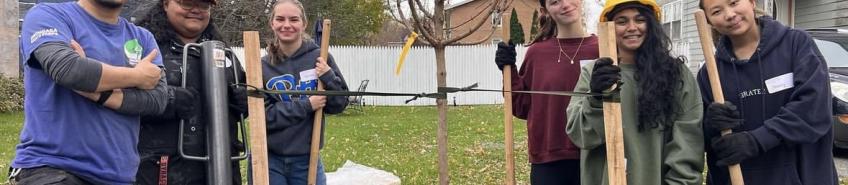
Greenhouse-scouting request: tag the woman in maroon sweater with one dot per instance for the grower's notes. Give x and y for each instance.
(552, 63)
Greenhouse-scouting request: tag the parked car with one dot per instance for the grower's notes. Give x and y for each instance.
(833, 45)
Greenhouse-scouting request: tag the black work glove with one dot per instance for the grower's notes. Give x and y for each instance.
(186, 102)
(238, 99)
(505, 55)
(604, 75)
(734, 148)
(723, 116)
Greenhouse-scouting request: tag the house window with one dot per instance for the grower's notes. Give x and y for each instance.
(671, 19)
(672, 25)
(496, 19)
(769, 7)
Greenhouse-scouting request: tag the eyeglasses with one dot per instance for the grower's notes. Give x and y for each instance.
(199, 4)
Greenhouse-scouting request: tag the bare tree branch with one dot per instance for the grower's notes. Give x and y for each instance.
(477, 26)
(424, 10)
(428, 34)
(397, 15)
(400, 17)
(472, 18)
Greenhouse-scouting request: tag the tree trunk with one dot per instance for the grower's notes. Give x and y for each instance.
(442, 106)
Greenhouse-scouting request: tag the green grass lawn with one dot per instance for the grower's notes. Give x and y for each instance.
(10, 126)
(401, 140)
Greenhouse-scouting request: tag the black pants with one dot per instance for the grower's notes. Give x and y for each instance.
(180, 171)
(46, 175)
(562, 172)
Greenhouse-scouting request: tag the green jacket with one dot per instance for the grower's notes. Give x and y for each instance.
(650, 158)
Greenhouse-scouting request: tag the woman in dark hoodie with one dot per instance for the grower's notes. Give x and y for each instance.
(779, 85)
(175, 23)
(293, 63)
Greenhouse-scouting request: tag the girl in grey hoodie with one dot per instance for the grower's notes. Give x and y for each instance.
(293, 63)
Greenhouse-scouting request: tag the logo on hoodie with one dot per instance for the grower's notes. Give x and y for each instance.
(288, 82)
(132, 50)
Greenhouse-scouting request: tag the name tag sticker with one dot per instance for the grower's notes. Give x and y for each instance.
(308, 75)
(780, 83)
(584, 62)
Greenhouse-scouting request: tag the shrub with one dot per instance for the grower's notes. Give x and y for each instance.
(11, 94)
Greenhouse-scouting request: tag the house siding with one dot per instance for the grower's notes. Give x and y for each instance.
(821, 14)
(457, 17)
(690, 36)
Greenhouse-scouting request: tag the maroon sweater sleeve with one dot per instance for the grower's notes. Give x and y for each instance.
(520, 101)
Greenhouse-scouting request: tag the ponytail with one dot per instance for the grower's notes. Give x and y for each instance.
(547, 29)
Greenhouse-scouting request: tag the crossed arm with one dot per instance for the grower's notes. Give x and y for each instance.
(139, 90)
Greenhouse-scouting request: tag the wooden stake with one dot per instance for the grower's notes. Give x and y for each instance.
(613, 133)
(507, 106)
(256, 108)
(705, 33)
(319, 114)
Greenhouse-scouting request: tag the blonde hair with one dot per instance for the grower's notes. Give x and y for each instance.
(274, 45)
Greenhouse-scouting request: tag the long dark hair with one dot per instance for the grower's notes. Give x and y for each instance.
(156, 21)
(657, 73)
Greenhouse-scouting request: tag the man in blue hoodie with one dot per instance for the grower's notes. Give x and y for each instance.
(778, 101)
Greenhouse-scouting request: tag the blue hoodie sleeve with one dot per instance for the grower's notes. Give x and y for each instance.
(806, 117)
(334, 81)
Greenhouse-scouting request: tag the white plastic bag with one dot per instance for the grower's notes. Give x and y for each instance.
(356, 174)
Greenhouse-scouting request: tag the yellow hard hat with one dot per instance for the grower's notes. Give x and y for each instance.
(611, 4)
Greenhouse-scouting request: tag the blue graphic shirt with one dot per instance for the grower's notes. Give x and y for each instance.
(63, 129)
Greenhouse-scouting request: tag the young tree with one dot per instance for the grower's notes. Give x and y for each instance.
(534, 26)
(430, 23)
(516, 32)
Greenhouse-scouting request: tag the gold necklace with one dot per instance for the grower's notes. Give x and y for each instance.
(566, 55)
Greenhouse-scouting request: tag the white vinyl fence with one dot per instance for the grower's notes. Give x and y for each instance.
(466, 65)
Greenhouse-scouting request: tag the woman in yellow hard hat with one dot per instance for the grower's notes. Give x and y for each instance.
(552, 63)
(782, 132)
(661, 106)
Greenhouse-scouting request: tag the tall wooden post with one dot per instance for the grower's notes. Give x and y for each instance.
(613, 133)
(509, 144)
(256, 108)
(705, 34)
(315, 145)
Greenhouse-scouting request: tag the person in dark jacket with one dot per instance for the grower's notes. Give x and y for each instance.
(184, 22)
(293, 63)
(778, 101)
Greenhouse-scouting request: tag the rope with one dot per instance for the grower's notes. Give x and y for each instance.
(441, 92)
